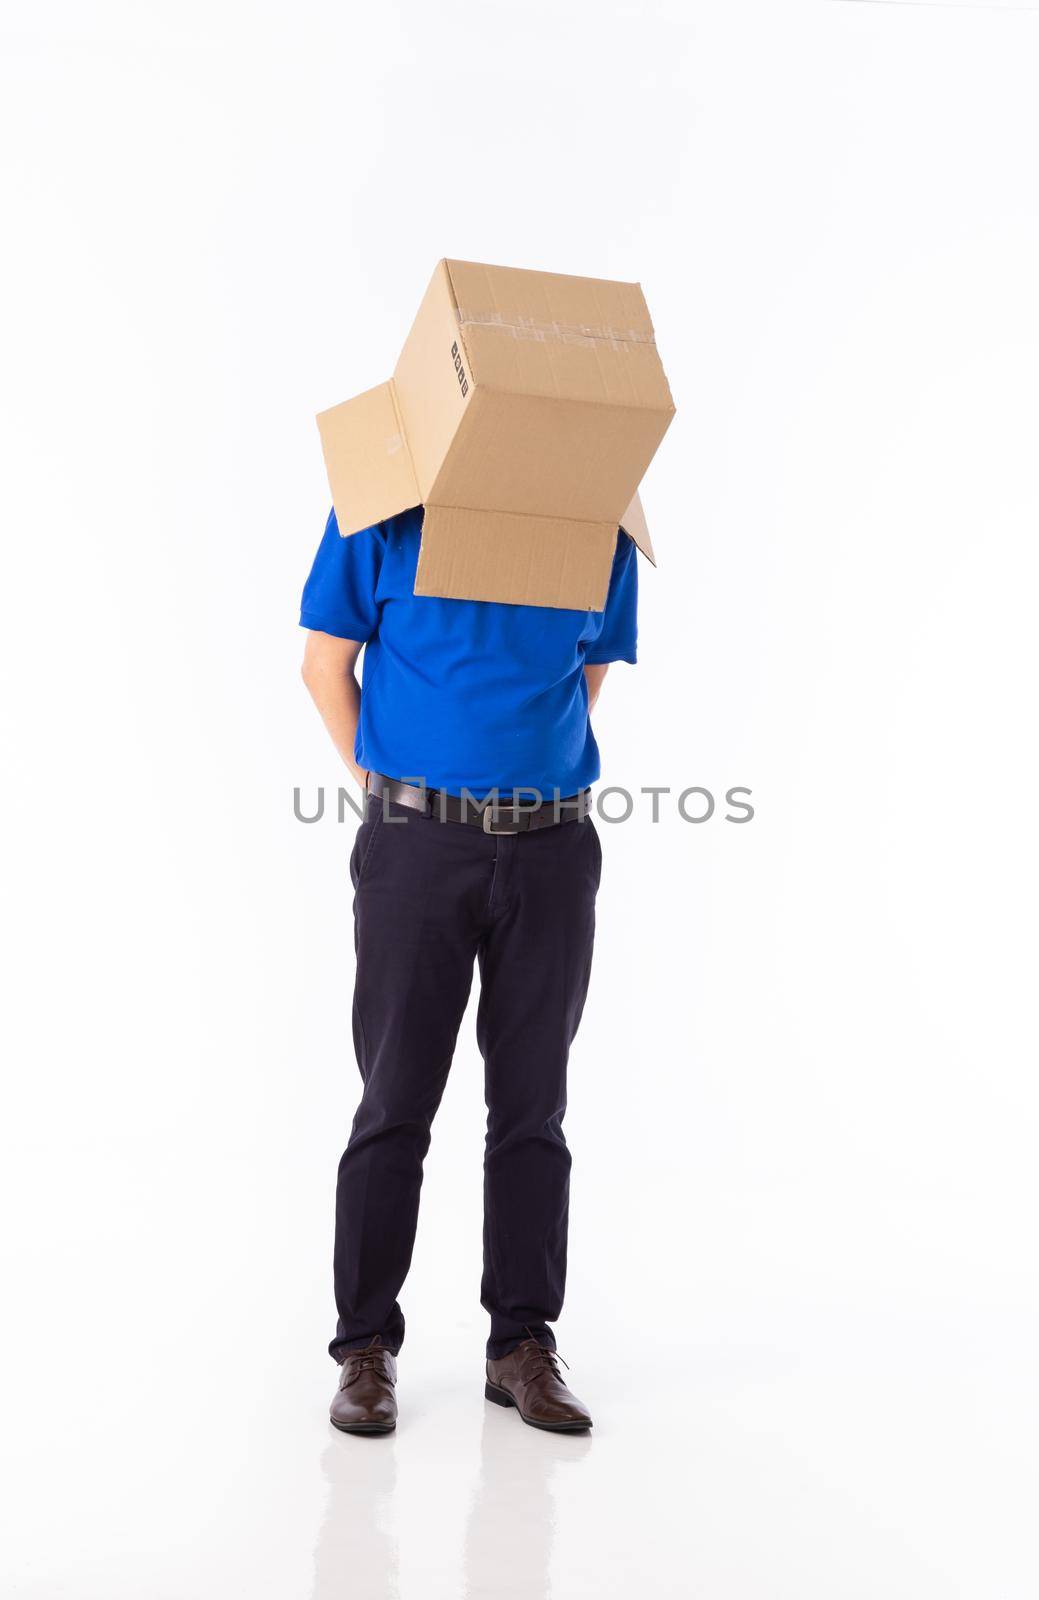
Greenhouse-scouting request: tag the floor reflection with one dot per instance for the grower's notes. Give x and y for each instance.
(356, 1553)
(509, 1531)
(512, 1521)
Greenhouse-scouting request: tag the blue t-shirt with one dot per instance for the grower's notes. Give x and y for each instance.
(466, 694)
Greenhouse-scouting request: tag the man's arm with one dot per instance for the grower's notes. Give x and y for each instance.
(328, 672)
(594, 677)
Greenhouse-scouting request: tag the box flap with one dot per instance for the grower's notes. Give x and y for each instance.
(516, 295)
(560, 337)
(369, 465)
(634, 524)
(519, 560)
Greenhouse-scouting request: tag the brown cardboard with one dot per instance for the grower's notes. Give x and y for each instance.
(522, 414)
(535, 561)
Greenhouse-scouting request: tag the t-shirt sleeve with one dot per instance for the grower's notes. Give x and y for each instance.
(339, 596)
(618, 637)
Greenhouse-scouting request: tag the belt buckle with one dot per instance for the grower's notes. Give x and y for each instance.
(488, 817)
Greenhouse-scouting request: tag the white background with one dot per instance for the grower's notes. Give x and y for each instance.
(802, 1300)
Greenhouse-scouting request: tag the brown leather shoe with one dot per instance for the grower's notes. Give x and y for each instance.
(529, 1379)
(365, 1401)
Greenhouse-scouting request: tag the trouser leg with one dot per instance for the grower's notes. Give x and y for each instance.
(535, 962)
(416, 920)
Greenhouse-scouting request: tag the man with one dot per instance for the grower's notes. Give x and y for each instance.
(471, 737)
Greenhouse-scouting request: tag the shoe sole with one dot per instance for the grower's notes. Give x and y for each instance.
(502, 1397)
(363, 1427)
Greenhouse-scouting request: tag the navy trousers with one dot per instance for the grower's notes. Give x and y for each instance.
(432, 899)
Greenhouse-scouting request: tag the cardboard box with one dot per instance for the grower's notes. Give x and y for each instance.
(522, 414)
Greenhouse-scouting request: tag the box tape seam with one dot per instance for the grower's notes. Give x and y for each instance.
(565, 332)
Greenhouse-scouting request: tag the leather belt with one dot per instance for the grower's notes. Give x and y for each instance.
(492, 815)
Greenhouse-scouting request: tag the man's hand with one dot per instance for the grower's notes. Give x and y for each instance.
(328, 672)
